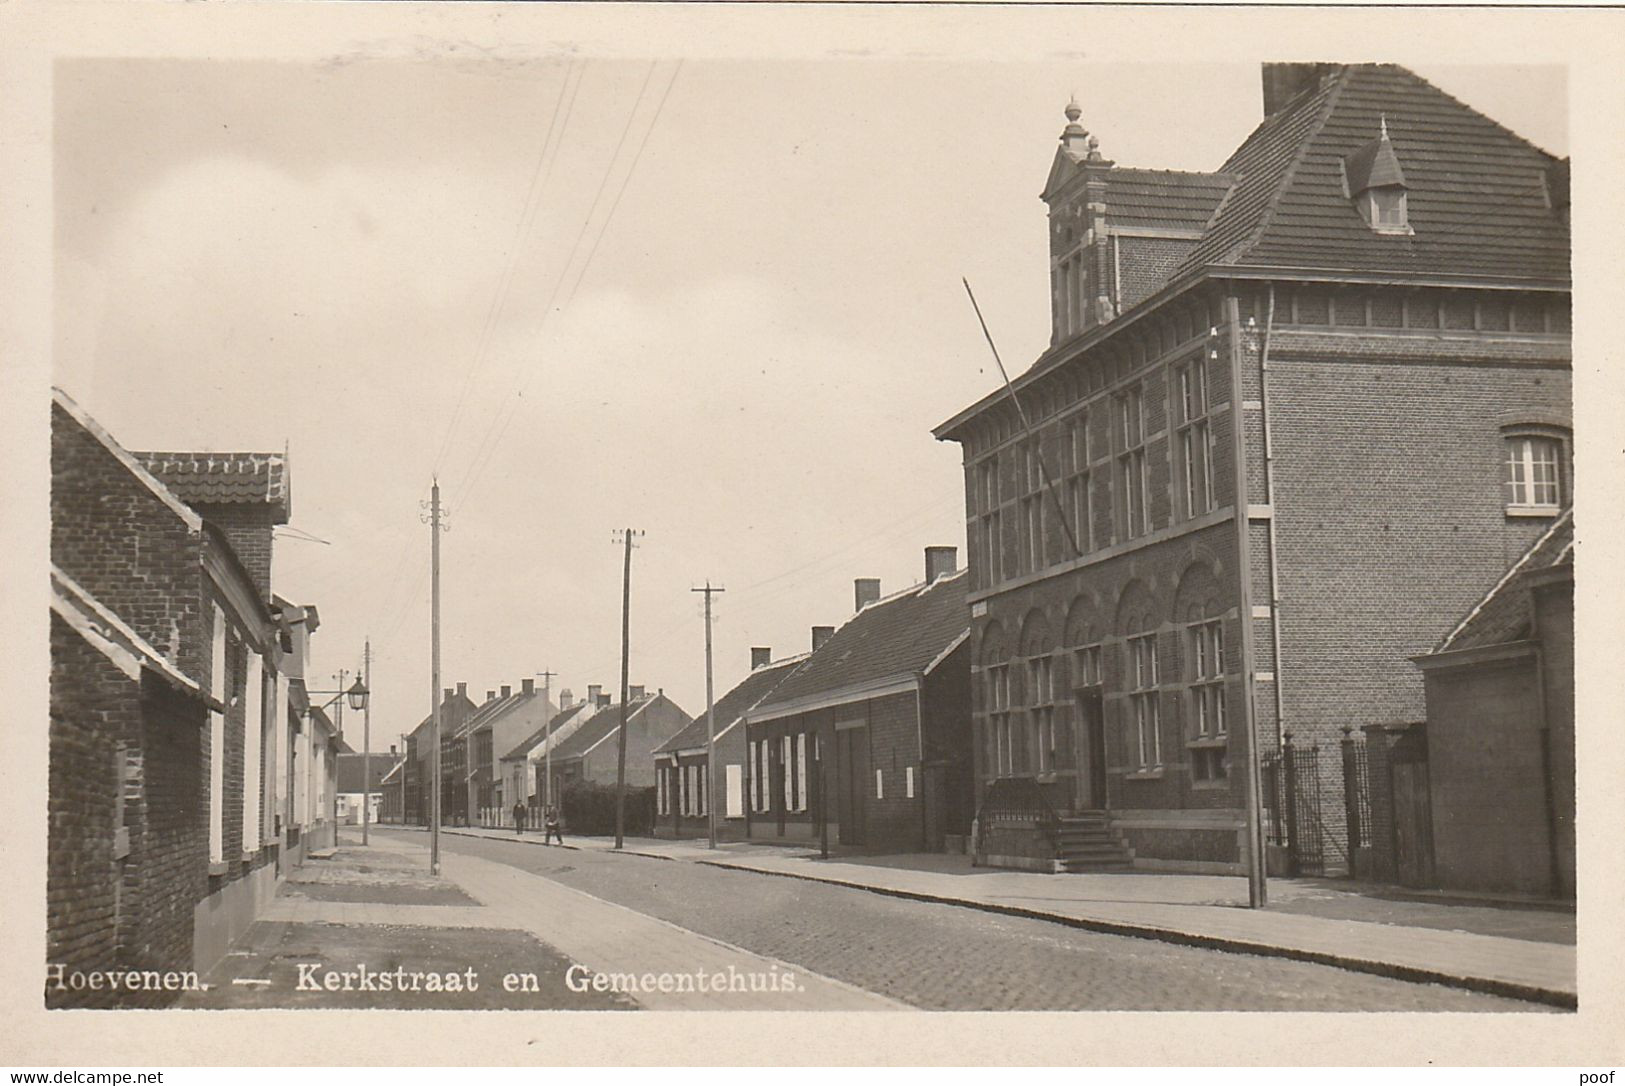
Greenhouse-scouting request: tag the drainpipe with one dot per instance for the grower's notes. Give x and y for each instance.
(1257, 890)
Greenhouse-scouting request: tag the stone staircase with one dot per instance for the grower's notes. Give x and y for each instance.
(1086, 841)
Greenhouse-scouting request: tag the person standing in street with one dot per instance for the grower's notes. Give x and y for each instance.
(552, 829)
(519, 818)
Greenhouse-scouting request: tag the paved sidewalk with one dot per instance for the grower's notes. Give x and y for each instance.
(1197, 910)
(389, 916)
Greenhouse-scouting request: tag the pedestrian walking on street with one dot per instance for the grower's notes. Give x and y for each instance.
(552, 830)
(519, 818)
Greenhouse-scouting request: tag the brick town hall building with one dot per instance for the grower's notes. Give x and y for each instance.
(1296, 414)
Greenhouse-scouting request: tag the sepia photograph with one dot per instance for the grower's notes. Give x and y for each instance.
(641, 528)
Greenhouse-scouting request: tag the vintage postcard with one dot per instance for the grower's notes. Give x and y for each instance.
(844, 510)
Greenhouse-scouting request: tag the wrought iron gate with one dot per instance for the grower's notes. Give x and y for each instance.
(1292, 815)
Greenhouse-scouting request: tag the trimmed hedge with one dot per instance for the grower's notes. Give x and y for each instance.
(589, 809)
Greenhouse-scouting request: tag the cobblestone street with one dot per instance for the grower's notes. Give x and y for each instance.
(945, 957)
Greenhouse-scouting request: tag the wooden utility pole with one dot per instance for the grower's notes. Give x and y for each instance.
(627, 535)
(547, 741)
(366, 739)
(434, 667)
(710, 721)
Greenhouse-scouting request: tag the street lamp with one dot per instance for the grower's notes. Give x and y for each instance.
(358, 696)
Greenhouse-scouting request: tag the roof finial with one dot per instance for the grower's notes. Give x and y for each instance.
(1384, 125)
(1073, 110)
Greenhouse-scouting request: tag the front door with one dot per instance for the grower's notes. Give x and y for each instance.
(1091, 747)
(852, 771)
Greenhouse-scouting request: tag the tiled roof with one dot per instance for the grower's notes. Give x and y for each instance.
(1477, 193)
(900, 635)
(237, 478)
(487, 712)
(536, 738)
(350, 766)
(602, 724)
(733, 705)
(1164, 199)
(1503, 615)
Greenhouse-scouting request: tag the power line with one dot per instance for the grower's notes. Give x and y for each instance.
(505, 417)
(499, 296)
(625, 181)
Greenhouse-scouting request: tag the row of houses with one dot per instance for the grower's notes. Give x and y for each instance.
(1298, 419)
(496, 753)
(188, 768)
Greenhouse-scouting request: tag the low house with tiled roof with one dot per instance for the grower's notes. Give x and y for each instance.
(178, 796)
(1294, 415)
(417, 790)
(686, 785)
(867, 741)
(591, 752)
(361, 777)
(524, 767)
(1500, 731)
(506, 718)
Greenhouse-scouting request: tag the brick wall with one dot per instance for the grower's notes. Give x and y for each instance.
(1389, 511)
(139, 558)
(1145, 265)
(248, 528)
(104, 523)
(94, 706)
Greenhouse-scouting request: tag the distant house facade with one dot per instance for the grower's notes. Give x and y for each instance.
(1294, 415)
(524, 767)
(867, 741)
(172, 782)
(505, 719)
(686, 782)
(1499, 768)
(354, 786)
(592, 752)
(417, 775)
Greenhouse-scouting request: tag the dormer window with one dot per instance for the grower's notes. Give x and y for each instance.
(1385, 209)
(1376, 184)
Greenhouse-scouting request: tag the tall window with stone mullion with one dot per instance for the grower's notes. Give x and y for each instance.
(1077, 487)
(998, 720)
(990, 534)
(1032, 558)
(1143, 708)
(1131, 492)
(1041, 687)
(1195, 439)
(1209, 730)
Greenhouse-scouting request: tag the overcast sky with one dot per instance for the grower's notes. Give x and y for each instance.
(715, 300)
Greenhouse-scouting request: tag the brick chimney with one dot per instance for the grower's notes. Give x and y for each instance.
(821, 634)
(462, 690)
(1284, 82)
(490, 695)
(865, 590)
(760, 656)
(940, 561)
(507, 691)
(633, 693)
(446, 694)
(528, 687)
(594, 690)
(603, 701)
(567, 698)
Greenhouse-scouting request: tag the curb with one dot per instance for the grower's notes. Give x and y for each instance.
(1555, 997)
